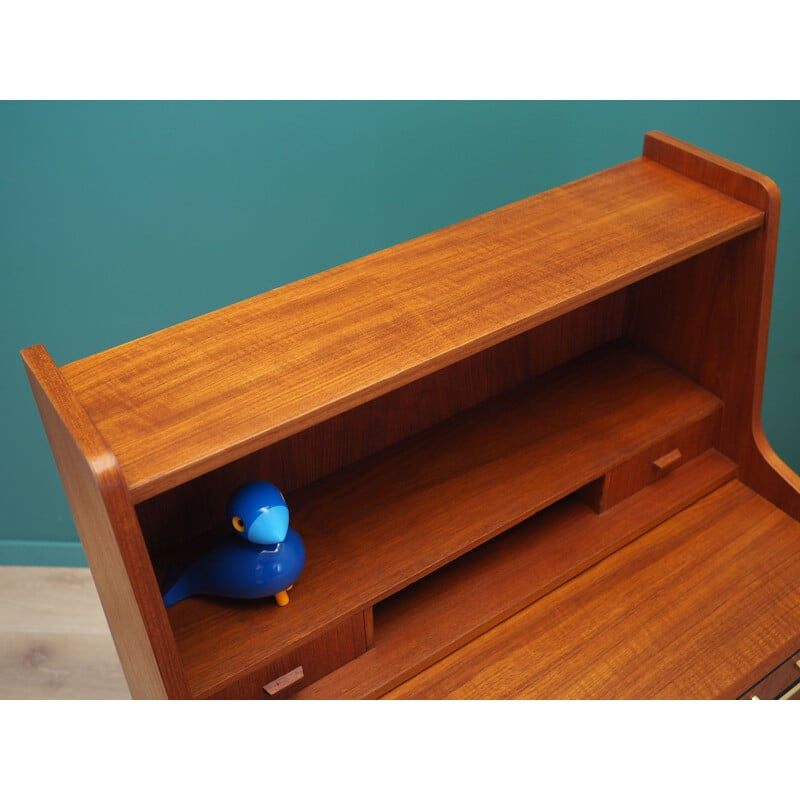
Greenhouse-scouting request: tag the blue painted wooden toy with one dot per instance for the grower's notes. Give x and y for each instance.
(265, 557)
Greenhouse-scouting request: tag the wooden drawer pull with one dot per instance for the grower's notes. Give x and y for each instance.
(668, 462)
(286, 680)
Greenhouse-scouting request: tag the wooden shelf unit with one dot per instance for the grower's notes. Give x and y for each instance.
(470, 428)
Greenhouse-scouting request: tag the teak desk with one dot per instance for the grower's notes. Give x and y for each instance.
(525, 454)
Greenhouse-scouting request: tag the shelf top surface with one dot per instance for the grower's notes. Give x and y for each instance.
(187, 399)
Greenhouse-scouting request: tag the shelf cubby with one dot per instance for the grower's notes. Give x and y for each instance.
(498, 464)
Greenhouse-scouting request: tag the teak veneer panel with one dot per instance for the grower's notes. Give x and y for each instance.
(730, 292)
(180, 402)
(395, 517)
(699, 607)
(110, 535)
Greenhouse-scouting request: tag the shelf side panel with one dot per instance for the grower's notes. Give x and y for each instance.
(726, 294)
(110, 535)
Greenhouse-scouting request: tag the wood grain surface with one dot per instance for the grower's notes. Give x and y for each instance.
(175, 517)
(727, 294)
(110, 533)
(431, 618)
(191, 398)
(700, 607)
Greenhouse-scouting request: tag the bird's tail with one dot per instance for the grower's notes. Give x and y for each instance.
(175, 588)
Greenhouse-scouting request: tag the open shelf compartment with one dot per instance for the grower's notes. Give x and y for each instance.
(382, 521)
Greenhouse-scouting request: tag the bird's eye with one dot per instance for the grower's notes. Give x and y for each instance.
(238, 523)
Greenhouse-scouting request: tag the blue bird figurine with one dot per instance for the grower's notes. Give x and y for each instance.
(265, 557)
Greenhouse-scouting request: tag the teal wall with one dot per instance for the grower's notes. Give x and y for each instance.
(120, 218)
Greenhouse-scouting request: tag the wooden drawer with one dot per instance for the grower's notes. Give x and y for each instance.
(288, 674)
(652, 463)
(783, 683)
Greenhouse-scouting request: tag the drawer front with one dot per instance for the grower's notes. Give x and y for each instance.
(783, 683)
(652, 464)
(288, 674)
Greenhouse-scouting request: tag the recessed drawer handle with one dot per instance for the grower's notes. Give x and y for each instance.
(279, 684)
(668, 462)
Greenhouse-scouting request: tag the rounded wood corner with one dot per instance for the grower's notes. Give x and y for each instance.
(57, 401)
(770, 474)
(729, 177)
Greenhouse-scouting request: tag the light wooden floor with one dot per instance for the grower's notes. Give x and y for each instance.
(54, 640)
